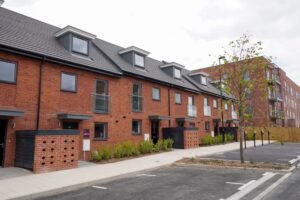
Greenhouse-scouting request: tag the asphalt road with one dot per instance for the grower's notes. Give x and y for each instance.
(175, 182)
(288, 190)
(274, 153)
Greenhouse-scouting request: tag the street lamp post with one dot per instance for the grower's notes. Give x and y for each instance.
(221, 92)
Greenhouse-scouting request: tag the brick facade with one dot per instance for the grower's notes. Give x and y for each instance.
(24, 95)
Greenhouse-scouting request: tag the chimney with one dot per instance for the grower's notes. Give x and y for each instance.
(1, 2)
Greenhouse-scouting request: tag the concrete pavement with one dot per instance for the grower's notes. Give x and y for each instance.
(38, 185)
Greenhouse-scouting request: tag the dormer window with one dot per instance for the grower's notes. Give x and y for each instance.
(177, 73)
(172, 69)
(79, 45)
(203, 80)
(139, 60)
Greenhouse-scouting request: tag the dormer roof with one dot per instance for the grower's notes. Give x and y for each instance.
(198, 73)
(134, 49)
(71, 29)
(172, 64)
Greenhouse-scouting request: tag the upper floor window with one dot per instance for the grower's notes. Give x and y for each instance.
(139, 60)
(215, 103)
(226, 106)
(225, 76)
(190, 100)
(247, 75)
(79, 45)
(178, 98)
(101, 96)
(137, 98)
(205, 100)
(177, 73)
(8, 71)
(155, 93)
(68, 82)
(203, 80)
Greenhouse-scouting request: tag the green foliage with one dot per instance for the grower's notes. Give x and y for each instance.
(158, 146)
(145, 146)
(103, 153)
(167, 144)
(126, 149)
(209, 140)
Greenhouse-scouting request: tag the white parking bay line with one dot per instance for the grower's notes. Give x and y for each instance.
(251, 186)
(150, 175)
(234, 183)
(246, 185)
(99, 187)
(294, 160)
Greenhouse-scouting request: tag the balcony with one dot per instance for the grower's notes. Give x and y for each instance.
(275, 96)
(233, 114)
(207, 111)
(192, 110)
(278, 114)
(136, 103)
(101, 103)
(273, 80)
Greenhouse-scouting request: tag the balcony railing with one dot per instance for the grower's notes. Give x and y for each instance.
(101, 103)
(207, 111)
(276, 114)
(192, 110)
(275, 96)
(136, 103)
(233, 114)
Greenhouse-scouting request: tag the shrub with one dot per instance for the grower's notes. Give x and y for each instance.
(118, 151)
(158, 146)
(145, 146)
(209, 140)
(103, 153)
(167, 144)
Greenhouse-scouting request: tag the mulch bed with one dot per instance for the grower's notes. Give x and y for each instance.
(233, 163)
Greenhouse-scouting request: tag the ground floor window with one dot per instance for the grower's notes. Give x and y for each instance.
(207, 126)
(70, 125)
(100, 132)
(136, 127)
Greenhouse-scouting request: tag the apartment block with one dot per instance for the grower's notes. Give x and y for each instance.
(276, 104)
(64, 92)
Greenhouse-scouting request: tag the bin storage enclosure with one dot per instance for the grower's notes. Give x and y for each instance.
(184, 138)
(47, 150)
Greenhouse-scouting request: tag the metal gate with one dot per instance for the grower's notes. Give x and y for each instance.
(176, 134)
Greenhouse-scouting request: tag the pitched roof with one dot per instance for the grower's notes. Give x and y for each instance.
(35, 37)
(27, 34)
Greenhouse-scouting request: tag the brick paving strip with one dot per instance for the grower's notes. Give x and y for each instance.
(38, 185)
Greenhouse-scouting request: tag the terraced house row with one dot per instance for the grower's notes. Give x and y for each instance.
(64, 92)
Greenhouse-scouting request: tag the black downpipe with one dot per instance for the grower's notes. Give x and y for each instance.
(169, 107)
(39, 95)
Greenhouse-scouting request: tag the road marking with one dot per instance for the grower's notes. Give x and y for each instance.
(246, 185)
(151, 175)
(274, 185)
(294, 160)
(99, 187)
(250, 187)
(234, 183)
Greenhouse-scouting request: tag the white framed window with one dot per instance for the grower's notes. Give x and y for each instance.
(226, 106)
(177, 73)
(215, 103)
(203, 80)
(139, 60)
(79, 45)
(155, 93)
(178, 98)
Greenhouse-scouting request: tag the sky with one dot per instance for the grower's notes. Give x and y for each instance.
(189, 32)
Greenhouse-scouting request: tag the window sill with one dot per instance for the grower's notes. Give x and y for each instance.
(101, 112)
(68, 91)
(98, 139)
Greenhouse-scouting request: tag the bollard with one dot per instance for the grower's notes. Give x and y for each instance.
(254, 138)
(269, 136)
(262, 137)
(245, 139)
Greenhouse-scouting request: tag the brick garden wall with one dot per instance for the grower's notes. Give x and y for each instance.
(191, 139)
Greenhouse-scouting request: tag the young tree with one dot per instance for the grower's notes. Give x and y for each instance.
(245, 69)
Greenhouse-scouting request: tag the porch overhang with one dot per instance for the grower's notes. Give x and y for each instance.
(231, 120)
(11, 112)
(159, 117)
(185, 119)
(216, 120)
(72, 116)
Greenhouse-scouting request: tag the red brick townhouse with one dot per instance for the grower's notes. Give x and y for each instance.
(57, 84)
(281, 104)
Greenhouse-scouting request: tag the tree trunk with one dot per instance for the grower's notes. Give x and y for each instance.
(241, 144)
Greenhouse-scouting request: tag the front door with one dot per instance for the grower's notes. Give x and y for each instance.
(154, 131)
(3, 124)
(216, 128)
